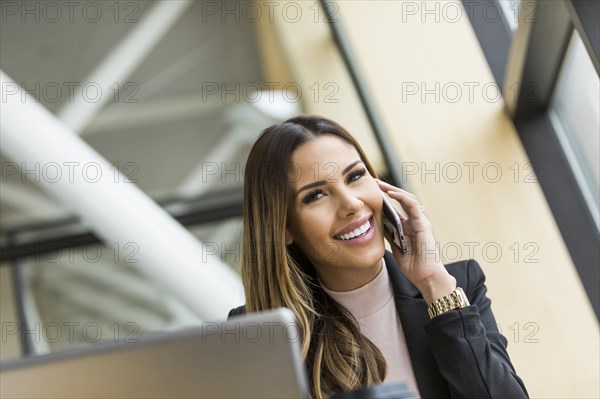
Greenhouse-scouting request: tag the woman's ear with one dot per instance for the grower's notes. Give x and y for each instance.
(288, 237)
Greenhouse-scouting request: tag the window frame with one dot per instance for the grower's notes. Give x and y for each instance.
(532, 57)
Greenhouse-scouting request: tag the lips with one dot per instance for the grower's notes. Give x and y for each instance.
(355, 229)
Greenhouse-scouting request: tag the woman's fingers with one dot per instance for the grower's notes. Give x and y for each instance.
(409, 201)
(409, 204)
(387, 187)
(384, 185)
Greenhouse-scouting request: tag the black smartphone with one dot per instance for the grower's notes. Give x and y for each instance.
(392, 224)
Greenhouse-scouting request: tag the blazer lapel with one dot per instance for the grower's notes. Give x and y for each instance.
(412, 309)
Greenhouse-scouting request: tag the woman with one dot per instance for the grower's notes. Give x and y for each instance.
(314, 243)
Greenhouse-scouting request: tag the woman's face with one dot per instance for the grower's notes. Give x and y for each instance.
(333, 197)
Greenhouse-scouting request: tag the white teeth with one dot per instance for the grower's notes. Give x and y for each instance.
(356, 232)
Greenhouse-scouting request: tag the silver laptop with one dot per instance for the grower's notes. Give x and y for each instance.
(253, 356)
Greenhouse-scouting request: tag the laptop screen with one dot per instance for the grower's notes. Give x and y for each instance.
(252, 356)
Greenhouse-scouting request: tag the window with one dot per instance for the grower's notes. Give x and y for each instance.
(575, 113)
(510, 11)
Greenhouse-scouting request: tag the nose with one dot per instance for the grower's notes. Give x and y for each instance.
(349, 203)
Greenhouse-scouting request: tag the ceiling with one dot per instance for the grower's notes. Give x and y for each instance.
(163, 128)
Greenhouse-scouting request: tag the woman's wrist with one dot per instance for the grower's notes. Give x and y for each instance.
(437, 286)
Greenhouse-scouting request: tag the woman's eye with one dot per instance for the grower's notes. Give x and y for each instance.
(356, 175)
(312, 196)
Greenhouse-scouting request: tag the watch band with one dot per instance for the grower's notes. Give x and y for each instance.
(455, 300)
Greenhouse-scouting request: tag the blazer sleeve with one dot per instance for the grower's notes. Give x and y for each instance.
(470, 351)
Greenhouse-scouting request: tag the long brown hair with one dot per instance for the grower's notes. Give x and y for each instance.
(337, 356)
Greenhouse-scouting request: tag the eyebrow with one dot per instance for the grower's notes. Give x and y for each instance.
(322, 182)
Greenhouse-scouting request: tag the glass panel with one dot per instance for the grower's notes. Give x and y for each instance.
(180, 126)
(575, 112)
(187, 106)
(510, 11)
(94, 293)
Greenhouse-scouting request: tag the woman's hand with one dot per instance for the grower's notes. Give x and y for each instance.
(421, 264)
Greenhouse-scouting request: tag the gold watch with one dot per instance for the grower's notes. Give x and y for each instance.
(455, 300)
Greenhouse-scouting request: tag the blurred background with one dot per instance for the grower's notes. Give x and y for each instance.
(125, 127)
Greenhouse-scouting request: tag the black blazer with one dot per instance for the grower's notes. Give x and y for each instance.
(458, 354)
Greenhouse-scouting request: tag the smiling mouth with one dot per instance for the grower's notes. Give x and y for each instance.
(358, 232)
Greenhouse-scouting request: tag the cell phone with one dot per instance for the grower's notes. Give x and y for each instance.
(392, 224)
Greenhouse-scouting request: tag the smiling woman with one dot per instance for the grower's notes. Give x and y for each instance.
(309, 185)
(337, 208)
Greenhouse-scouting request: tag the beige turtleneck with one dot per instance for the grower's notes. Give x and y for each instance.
(374, 308)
